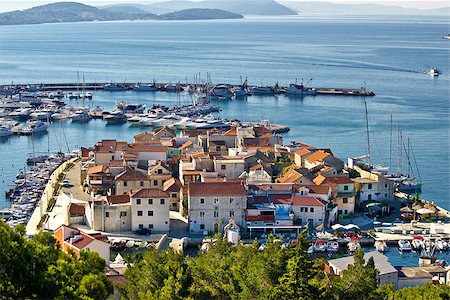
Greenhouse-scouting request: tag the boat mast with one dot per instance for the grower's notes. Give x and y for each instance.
(390, 148)
(399, 149)
(367, 130)
(407, 154)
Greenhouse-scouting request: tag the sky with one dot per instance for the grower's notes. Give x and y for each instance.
(9, 5)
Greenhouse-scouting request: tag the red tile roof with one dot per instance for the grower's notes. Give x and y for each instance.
(337, 180)
(76, 209)
(261, 218)
(150, 193)
(307, 201)
(216, 189)
(172, 185)
(118, 199)
(82, 241)
(290, 176)
(131, 175)
(302, 152)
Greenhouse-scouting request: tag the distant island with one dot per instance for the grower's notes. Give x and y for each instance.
(62, 12)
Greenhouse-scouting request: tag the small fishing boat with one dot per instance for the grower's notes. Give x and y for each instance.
(320, 246)
(433, 72)
(332, 247)
(417, 243)
(381, 246)
(353, 245)
(404, 245)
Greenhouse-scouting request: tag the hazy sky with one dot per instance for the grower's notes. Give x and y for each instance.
(8, 5)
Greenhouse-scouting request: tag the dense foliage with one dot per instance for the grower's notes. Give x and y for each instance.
(243, 272)
(37, 269)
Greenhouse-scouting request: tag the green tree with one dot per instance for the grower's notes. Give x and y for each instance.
(358, 281)
(425, 292)
(299, 280)
(157, 276)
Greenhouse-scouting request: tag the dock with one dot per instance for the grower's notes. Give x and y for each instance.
(98, 86)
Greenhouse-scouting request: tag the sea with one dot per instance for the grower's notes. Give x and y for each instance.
(389, 55)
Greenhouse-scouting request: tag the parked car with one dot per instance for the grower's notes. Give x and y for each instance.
(143, 231)
(66, 183)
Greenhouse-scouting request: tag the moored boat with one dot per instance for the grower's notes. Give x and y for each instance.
(404, 245)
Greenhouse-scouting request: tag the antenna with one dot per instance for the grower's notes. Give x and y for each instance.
(390, 147)
(367, 130)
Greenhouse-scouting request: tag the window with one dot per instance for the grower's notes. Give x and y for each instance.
(202, 214)
(311, 209)
(369, 197)
(123, 213)
(217, 148)
(344, 200)
(107, 214)
(174, 195)
(385, 195)
(150, 201)
(141, 183)
(159, 171)
(150, 213)
(345, 187)
(231, 200)
(345, 212)
(125, 183)
(223, 167)
(385, 185)
(155, 182)
(138, 201)
(303, 209)
(369, 186)
(202, 201)
(202, 226)
(150, 226)
(141, 226)
(163, 201)
(231, 214)
(174, 204)
(216, 214)
(216, 200)
(139, 213)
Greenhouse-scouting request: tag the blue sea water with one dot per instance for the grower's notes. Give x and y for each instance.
(390, 55)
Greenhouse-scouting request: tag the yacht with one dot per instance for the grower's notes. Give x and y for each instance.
(31, 98)
(61, 115)
(21, 113)
(417, 243)
(300, 89)
(165, 121)
(80, 116)
(129, 108)
(172, 87)
(241, 92)
(43, 114)
(433, 72)
(5, 131)
(115, 117)
(34, 127)
(97, 113)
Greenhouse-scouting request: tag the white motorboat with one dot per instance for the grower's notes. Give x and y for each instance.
(42, 115)
(433, 72)
(241, 93)
(61, 115)
(381, 246)
(115, 117)
(404, 245)
(165, 121)
(34, 127)
(221, 91)
(80, 116)
(21, 113)
(266, 90)
(129, 108)
(320, 246)
(332, 247)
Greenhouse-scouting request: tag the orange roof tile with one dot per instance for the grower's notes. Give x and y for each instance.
(96, 169)
(307, 201)
(302, 152)
(290, 176)
(150, 193)
(317, 156)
